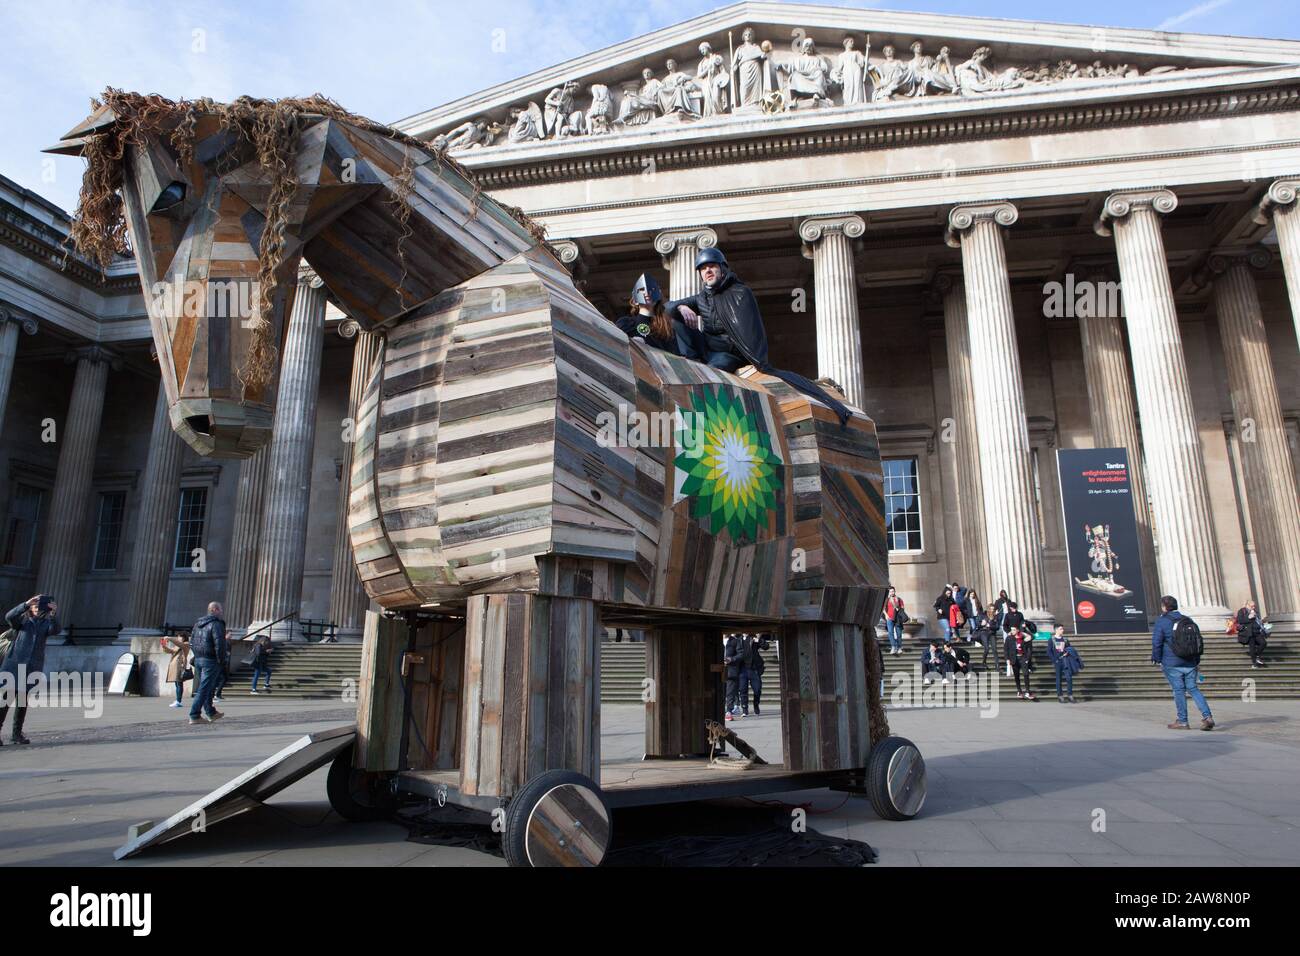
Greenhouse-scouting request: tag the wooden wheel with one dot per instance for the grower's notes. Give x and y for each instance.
(355, 795)
(896, 779)
(559, 818)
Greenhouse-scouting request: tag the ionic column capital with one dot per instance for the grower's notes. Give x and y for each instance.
(349, 329)
(965, 216)
(812, 229)
(566, 250)
(945, 282)
(1120, 204)
(1255, 257)
(307, 277)
(668, 241)
(24, 322)
(1281, 192)
(93, 354)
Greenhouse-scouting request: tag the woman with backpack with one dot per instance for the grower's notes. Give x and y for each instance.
(260, 660)
(895, 618)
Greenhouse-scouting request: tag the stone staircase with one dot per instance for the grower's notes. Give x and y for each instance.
(1115, 667)
(299, 670)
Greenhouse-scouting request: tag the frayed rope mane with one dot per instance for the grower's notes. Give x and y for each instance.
(99, 229)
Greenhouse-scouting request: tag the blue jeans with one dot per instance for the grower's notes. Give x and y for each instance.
(947, 629)
(205, 676)
(258, 672)
(895, 634)
(1183, 682)
(750, 678)
(180, 689)
(1069, 680)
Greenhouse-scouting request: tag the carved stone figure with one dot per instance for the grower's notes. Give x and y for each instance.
(713, 78)
(640, 106)
(809, 74)
(527, 124)
(559, 118)
(890, 77)
(850, 74)
(751, 64)
(926, 74)
(475, 134)
(598, 114)
(678, 93)
(974, 78)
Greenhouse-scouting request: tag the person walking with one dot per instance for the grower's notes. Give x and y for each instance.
(206, 638)
(1251, 632)
(941, 606)
(956, 618)
(33, 622)
(1176, 646)
(895, 618)
(982, 632)
(1019, 648)
(260, 659)
(731, 654)
(178, 671)
(1013, 618)
(999, 614)
(752, 666)
(1065, 659)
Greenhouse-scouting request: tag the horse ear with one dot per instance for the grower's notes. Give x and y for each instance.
(73, 142)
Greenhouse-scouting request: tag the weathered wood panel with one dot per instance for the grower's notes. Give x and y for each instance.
(825, 703)
(379, 695)
(683, 690)
(532, 699)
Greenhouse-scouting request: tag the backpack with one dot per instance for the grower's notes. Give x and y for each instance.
(1186, 642)
(900, 617)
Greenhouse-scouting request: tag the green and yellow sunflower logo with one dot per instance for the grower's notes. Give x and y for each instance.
(726, 464)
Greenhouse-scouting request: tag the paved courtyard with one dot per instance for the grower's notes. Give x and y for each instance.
(1029, 786)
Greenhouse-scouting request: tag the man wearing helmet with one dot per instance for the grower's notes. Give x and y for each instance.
(721, 325)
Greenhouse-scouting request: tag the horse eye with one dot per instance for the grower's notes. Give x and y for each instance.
(174, 193)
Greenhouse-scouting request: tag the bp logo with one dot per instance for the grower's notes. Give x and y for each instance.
(726, 464)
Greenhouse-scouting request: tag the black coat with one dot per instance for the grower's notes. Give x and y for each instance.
(1247, 625)
(1026, 649)
(941, 605)
(1013, 619)
(638, 326)
(30, 635)
(731, 655)
(208, 638)
(750, 656)
(729, 308)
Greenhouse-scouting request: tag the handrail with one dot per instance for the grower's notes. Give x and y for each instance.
(272, 624)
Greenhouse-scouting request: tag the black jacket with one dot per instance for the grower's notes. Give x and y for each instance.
(1013, 619)
(30, 635)
(959, 659)
(941, 605)
(208, 638)
(750, 656)
(729, 308)
(1026, 648)
(638, 326)
(1247, 625)
(731, 655)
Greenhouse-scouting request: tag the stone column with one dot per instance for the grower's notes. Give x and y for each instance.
(77, 436)
(10, 323)
(1187, 553)
(1265, 455)
(1114, 420)
(970, 490)
(1279, 204)
(1015, 549)
(250, 501)
(679, 248)
(829, 244)
(283, 544)
(348, 599)
(155, 538)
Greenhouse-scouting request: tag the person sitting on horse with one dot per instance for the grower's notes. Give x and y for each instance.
(720, 325)
(647, 318)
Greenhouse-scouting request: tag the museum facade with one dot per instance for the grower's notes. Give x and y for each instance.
(998, 238)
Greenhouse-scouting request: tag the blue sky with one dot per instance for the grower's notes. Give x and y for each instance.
(388, 59)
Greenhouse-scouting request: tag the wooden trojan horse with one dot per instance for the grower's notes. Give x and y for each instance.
(519, 465)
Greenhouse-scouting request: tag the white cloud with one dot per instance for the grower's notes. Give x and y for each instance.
(1200, 10)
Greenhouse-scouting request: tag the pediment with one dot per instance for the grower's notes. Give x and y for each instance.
(795, 62)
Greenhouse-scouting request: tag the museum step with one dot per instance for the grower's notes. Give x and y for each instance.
(1116, 667)
(299, 670)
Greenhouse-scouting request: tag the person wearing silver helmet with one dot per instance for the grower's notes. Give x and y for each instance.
(647, 320)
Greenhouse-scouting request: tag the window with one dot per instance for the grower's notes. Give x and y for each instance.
(20, 534)
(189, 525)
(902, 505)
(108, 530)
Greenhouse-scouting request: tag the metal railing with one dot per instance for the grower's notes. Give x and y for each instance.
(75, 634)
